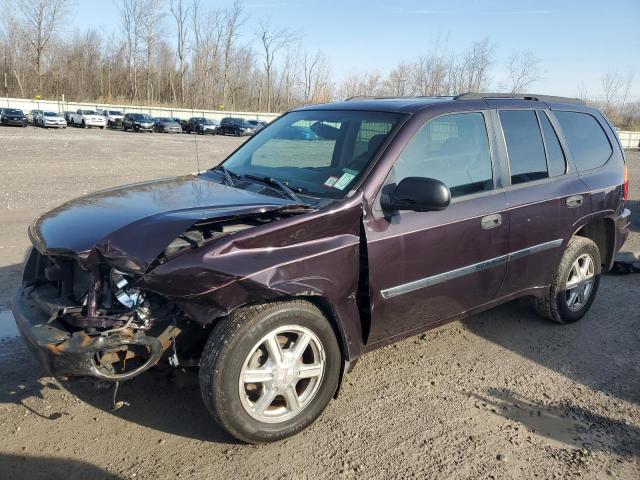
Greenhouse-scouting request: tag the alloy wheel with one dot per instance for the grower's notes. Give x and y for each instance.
(580, 282)
(282, 374)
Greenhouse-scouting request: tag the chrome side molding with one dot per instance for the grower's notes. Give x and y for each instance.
(460, 272)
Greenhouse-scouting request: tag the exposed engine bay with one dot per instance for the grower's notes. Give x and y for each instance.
(124, 329)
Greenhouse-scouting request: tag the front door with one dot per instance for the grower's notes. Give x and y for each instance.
(425, 267)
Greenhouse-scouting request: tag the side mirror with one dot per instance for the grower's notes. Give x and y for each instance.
(418, 194)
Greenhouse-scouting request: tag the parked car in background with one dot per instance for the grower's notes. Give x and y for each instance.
(14, 117)
(67, 116)
(201, 126)
(183, 124)
(32, 116)
(113, 117)
(236, 126)
(85, 118)
(166, 125)
(276, 270)
(51, 120)
(259, 125)
(137, 122)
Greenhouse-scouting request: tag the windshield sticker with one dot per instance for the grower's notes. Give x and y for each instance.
(343, 181)
(330, 182)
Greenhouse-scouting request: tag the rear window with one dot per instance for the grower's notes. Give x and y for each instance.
(524, 145)
(589, 144)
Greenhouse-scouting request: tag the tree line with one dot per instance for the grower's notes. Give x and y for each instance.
(186, 53)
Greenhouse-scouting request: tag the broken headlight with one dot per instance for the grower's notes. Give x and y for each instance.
(127, 295)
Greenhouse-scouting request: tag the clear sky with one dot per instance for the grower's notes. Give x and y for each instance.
(577, 40)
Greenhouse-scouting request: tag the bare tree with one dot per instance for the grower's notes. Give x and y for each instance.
(180, 13)
(271, 42)
(151, 16)
(234, 20)
(131, 12)
(315, 76)
(524, 69)
(41, 18)
(470, 73)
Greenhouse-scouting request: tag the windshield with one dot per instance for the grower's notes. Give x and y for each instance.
(141, 117)
(114, 112)
(12, 111)
(89, 112)
(321, 152)
(50, 114)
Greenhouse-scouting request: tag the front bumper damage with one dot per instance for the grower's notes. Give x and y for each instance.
(74, 353)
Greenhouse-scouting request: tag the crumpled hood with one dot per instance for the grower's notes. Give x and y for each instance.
(131, 225)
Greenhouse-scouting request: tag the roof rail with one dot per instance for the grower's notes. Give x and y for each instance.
(392, 97)
(520, 96)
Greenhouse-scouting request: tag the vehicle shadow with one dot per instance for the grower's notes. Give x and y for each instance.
(35, 468)
(600, 351)
(161, 399)
(565, 423)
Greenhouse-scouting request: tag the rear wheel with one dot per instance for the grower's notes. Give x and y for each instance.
(575, 285)
(268, 371)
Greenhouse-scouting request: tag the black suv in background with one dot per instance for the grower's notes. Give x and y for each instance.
(236, 126)
(201, 126)
(13, 116)
(138, 122)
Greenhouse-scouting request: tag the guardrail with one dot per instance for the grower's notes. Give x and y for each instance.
(59, 106)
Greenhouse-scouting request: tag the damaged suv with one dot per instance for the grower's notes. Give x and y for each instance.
(273, 272)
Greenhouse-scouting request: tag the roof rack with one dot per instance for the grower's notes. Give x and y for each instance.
(520, 96)
(392, 97)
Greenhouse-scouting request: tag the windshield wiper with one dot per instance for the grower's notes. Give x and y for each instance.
(288, 189)
(227, 174)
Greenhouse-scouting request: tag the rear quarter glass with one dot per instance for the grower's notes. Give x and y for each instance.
(589, 144)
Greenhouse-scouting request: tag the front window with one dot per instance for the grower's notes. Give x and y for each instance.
(12, 111)
(323, 153)
(114, 112)
(50, 114)
(89, 112)
(453, 149)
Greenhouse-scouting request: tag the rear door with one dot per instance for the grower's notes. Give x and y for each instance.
(545, 196)
(425, 267)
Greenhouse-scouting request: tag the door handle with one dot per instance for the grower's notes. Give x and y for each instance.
(491, 221)
(575, 201)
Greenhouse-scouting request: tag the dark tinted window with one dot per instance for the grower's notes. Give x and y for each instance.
(588, 143)
(453, 149)
(524, 145)
(555, 156)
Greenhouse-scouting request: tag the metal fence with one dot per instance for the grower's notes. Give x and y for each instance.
(60, 106)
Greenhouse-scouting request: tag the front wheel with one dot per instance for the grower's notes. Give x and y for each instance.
(575, 285)
(268, 371)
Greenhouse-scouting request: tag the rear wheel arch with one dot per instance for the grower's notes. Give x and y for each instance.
(602, 232)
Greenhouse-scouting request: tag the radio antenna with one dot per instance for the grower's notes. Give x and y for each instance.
(195, 143)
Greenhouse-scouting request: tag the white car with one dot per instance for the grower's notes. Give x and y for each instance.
(88, 118)
(113, 117)
(51, 120)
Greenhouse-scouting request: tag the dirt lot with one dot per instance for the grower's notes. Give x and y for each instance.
(501, 395)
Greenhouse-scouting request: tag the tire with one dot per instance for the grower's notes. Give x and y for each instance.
(557, 304)
(83, 124)
(232, 346)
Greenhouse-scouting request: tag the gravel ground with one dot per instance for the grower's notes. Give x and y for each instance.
(500, 395)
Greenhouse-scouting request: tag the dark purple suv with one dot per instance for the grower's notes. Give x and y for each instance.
(276, 270)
